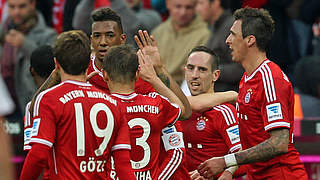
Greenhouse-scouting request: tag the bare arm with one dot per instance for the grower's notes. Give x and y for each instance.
(51, 81)
(148, 47)
(148, 74)
(6, 167)
(203, 102)
(276, 145)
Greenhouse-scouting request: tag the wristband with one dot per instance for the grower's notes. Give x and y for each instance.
(230, 160)
(232, 169)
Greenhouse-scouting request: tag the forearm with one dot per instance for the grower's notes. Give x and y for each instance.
(167, 79)
(6, 167)
(51, 81)
(203, 102)
(276, 145)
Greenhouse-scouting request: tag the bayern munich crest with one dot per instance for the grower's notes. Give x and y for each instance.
(248, 95)
(174, 140)
(201, 124)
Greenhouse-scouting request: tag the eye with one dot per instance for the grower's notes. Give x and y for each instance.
(189, 67)
(202, 69)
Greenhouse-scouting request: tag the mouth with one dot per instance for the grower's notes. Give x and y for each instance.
(194, 85)
(103, 52)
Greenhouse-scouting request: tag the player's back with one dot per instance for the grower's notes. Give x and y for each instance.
(147, 115)
(81, 123)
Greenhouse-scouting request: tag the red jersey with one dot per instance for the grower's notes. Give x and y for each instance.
(147, 115)
(82, 125)
(141, 86)
(265, 102)
(219, 132)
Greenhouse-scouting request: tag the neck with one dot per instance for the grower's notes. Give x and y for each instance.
(121, 88)
(65, 76)
(216, 16)
(253, 60)
(39, 81)
(177, 27)
(98, 63)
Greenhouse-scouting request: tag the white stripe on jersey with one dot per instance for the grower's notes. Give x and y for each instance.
(27, 115)
(235, 148)
(94, 65)
(38, 99)
(172, 165)
(26, 147)
(121, 146)
(276, 124)
(227, 114)
(268, 83)
(41, 141)
(125, 97)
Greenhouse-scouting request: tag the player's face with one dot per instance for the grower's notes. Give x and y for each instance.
(198, 73)
(105, 34)
(182, 12)
(20, 10)
(203, 9)
(236, 42)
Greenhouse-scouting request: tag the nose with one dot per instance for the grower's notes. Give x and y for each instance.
(228, 40)
(103, 41)
(195, 73)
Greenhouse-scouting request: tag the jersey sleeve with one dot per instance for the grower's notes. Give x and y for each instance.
(228, 126)
(172, 158)
(171, 112)
(44, 124)
(123, 135)
(27, 128)
(277, 97)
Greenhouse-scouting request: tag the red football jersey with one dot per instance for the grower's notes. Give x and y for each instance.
(212, 133)
(83, 125)
(147, 115)
(141, 86)
(265, 102)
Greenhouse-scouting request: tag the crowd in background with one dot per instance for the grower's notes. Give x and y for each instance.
(177, 26)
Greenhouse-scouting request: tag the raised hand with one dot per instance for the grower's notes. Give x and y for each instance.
(146, 70)
(147, 45)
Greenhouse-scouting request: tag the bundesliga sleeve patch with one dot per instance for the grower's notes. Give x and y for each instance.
(274, 112)
(35, 127)
(233, 133)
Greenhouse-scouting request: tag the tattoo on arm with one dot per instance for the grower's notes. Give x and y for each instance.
(165, 79)
(276, 145)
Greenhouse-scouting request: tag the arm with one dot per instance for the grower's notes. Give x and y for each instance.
(276, 145)
(148, 47)
(123, 165)
(35, 162)
(148, 74)
(6, 168)
(51, 81)
(82, 14)
(203, 102)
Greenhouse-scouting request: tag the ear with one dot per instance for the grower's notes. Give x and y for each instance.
(123, 38)
(58, 66)
(216, 75)
(32, 71)
(251, 40)
(137, 74)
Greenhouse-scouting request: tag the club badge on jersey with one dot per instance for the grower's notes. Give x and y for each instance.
(172, 138)
(201, 123)
(248, 95)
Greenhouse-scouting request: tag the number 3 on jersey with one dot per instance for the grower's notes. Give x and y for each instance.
(102, 133)
(141, 141)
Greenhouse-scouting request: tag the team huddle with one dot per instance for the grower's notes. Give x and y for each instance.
(108, 111)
